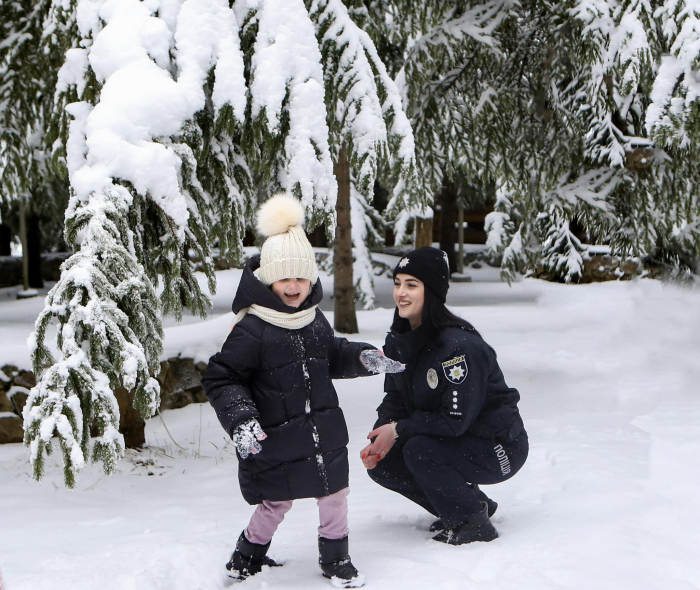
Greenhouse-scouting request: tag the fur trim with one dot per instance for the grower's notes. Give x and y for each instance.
(278, 214)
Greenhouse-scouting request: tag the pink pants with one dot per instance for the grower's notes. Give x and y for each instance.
(332, 517)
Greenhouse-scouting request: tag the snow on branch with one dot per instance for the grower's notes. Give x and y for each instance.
(561, 249)
(677, 85)
(369, 108)
(478, 23)
(364, 233)
(109, 335)
(369, 117)
(593, 188)
(287, 93)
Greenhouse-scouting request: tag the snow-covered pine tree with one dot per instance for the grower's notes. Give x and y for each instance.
(366, 117)
(316, 85)
(448, 51)
(598, 138)
(673, 123)
(23, 78)
(535, 127)
(134, 79)
(26, 85)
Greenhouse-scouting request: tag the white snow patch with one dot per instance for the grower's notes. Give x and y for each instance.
(608, 376)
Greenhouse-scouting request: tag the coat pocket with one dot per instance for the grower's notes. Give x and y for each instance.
(286, 443)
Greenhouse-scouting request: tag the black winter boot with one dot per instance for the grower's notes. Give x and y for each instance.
(248, 559)
(439, 526)
(336, 565)
(477, 527)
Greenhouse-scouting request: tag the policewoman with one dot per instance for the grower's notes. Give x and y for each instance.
(449, 422)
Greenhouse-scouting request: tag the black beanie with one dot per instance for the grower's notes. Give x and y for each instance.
(430, 266)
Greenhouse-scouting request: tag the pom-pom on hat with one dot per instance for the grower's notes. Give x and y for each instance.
(286, 253)
(429, 265)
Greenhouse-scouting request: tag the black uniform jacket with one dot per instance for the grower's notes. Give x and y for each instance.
(283, 378)
(452, 386)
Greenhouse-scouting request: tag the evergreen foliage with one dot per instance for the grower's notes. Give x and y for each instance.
(365, 114)
(443, 53)
(153, 96)
(27, 79)
(603, 138)
(580, 110)
(172, 123)
(286, 126)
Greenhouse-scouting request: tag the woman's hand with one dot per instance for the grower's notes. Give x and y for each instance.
(383, 441)
(368, 460)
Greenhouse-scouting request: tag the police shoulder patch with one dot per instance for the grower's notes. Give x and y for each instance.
(455, 369)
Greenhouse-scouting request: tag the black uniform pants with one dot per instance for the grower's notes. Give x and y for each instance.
(435, 472)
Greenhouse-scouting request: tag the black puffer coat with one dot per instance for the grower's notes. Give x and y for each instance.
(452, 386)
(283, 378)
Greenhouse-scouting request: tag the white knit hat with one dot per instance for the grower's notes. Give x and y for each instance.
(286, 253)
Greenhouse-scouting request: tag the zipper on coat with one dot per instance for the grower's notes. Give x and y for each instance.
(314, 431)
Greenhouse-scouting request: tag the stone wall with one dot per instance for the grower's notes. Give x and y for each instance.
(14, 390)
(179, 378)
(602, 267)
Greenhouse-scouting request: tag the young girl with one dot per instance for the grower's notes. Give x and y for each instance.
(272, 391)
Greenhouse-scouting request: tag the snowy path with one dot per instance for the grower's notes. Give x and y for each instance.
(609, 377)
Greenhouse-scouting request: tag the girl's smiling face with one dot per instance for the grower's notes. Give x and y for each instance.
(409, 295)
(292, 292)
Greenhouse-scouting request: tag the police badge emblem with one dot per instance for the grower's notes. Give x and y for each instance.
(432, 378)
(455, 370)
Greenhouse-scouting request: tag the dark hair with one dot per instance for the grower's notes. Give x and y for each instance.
(436, 314)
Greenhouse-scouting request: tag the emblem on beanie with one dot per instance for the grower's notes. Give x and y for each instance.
(455, 370)
(404, 262)
(432, 378)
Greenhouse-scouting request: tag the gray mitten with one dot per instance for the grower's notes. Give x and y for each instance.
(246, 436)
(376, 362)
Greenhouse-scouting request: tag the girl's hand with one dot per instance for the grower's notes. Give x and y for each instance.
(375, 362)
(246, 437)
(383, 442)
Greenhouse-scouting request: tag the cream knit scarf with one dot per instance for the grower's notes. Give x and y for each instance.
(290, 321)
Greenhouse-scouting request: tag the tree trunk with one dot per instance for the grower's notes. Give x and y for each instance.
(34, 252)
(460, 237)
(448, 215)
(344, 288)
(131, 425)
(23, 239)
(424, 232)
(5, 240)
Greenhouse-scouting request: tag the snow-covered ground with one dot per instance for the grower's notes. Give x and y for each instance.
(608, 499)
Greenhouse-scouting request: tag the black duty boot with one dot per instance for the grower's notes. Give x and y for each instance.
(477, 527)
(439, 526)
(335, 563)
(248, 559)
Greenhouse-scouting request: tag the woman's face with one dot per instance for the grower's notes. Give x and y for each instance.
(409, 295)
(292, 292)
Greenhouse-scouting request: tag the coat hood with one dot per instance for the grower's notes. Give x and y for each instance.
(251, 290)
